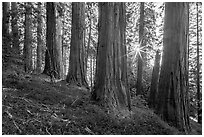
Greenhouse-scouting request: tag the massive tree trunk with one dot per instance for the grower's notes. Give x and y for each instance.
(47, 63)
(140, 55)
(5, 28)
(50, 39)
(154, 81)
(199, 108)
(76, 73)
(172, 103)
(28, 39)
(111, 71)
(39, 38)
(14, 25)
(53, 56)
(123, 51)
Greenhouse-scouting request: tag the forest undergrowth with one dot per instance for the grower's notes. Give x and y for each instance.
(31, 105)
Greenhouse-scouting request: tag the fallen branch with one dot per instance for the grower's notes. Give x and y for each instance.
(47, 131)
(74, 101)
(17, 126)
(89, 130)
(9, 114)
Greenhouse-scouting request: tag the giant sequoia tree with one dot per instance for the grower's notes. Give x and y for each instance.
(172, 103)
(111, 66)
(53, 56)
(76, 73)
(154, 81)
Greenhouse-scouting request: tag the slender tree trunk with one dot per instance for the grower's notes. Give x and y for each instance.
(91, 71)
(28, 39)
(87, 52)
(5, 27)
(187, 63)
(140, 55)
(111, 76)
(14, 25)
(88, 45)
(154, 81)
(199, 109)
(5, 21)
(172, 103)
(64, 50)
(58, 50)
(39, 38)
(76, 73)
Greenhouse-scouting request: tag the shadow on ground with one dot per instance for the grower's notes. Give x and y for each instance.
(33, 105)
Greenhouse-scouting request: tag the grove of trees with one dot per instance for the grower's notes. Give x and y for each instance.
(118, 51)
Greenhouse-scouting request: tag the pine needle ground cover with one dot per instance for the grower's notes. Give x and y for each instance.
(31, 105)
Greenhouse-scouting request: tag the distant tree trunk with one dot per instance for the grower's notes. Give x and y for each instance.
(14, 26)
(5, 27)
(28, 39)
(59, 64)
(111, 74)
(64, 60)
(93, 68)
(154, 81)
(76, 73)
(91, 71)
(187, 61)
(88, 53)
(39, 38)
(172, 101)
(64, 50)
(5, 21)
(88, 44)
(140, 55)
(199, 108)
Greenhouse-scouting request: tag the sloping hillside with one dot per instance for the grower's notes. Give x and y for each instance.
(33, 105)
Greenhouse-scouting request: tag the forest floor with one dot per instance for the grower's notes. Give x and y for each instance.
(32, 105)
